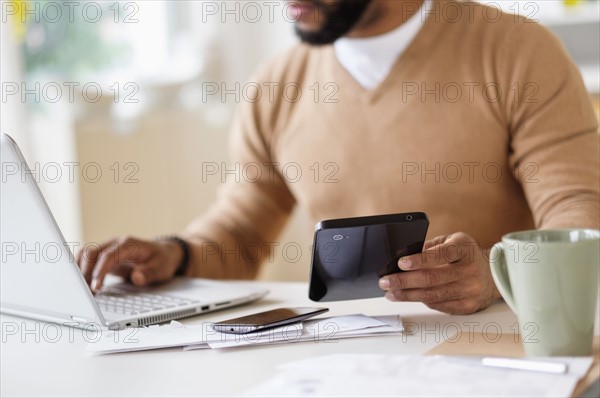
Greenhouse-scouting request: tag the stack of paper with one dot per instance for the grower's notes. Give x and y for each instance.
(204, 337)
(366, 375)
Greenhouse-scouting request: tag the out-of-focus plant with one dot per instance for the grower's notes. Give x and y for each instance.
(60, 40)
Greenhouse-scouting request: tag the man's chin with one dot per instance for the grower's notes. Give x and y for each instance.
(314, 37)
(333, 22)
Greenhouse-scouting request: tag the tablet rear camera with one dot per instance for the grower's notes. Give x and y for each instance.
(409, 218)
(338, 237)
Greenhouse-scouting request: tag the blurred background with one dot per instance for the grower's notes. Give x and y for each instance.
(121, 106)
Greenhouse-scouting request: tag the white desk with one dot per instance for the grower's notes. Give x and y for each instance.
(33, 365)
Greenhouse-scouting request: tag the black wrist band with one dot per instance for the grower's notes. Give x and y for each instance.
(185, 249)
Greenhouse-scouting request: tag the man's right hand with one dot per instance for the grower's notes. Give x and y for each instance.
(142, 262)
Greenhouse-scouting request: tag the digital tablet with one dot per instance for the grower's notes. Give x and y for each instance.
(349, 255)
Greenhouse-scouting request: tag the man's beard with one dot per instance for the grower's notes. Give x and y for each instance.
(338, 20)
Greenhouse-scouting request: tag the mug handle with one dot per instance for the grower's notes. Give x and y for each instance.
(500, 275)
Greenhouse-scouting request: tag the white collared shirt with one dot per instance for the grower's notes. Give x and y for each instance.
(369, 60)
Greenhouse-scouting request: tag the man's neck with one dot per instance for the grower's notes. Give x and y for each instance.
(383, 16)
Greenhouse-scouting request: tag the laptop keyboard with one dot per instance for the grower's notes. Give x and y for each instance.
(135, 303)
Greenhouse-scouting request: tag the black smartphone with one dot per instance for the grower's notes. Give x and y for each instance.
(349, 255)
(267, 319)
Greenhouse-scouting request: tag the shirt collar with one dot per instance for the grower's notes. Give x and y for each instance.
(370, 59)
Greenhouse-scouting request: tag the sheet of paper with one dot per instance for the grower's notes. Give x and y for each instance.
(360, 375)
(154, 337)
(203, 336)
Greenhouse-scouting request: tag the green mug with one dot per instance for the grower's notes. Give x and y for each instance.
(549, 278)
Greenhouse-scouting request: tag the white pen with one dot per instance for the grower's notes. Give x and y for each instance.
(510, 363)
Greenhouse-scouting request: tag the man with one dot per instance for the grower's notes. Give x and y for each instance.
(475, 117)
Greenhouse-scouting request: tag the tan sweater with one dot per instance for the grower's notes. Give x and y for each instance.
(483, 123)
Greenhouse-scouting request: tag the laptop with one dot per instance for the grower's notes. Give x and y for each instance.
(40, 279)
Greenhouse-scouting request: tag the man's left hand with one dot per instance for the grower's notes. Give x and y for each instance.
(451, 275)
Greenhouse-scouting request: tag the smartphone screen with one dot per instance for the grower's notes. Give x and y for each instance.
(267, 319)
